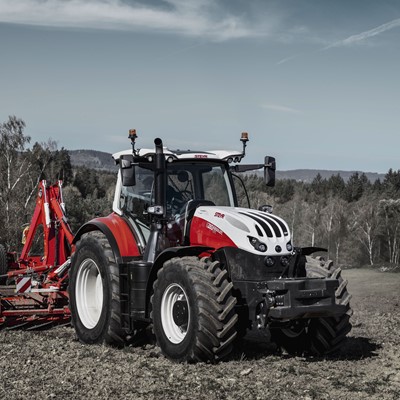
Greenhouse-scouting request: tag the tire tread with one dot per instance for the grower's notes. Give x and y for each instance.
(216, 315)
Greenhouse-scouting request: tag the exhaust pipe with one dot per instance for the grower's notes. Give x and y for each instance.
(159, 210)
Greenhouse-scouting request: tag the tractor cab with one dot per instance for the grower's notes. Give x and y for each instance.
(190, 183)
(161, 191)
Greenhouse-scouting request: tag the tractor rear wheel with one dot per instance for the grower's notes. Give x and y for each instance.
(94, 292)
(318, 336)
(193, 310)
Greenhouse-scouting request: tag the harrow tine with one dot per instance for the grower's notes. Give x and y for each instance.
(39, 326)
(32, 324)
(65, 323)
(16, 326)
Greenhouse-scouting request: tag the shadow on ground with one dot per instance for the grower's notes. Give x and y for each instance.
(257, 347)
(356, 348)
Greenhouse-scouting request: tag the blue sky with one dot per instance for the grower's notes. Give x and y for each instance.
(315, 83)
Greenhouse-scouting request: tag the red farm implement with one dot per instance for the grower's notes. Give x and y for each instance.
(33, 290)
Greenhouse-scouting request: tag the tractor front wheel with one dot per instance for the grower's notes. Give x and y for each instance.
(94, 292)
(317, 336)
(193, 310)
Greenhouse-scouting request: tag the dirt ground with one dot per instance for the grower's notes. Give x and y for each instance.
(52, 364)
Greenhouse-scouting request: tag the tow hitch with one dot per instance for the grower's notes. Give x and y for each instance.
(298, 298)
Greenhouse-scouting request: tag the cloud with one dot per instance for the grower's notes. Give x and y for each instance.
(280, 108)
(355, 39)
(285, 60)
(194, 18)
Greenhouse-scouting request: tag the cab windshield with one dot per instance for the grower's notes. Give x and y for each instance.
(186, 181)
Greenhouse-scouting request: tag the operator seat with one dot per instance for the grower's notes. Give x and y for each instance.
(188, 213)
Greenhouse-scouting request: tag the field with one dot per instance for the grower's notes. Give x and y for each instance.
(52, 364)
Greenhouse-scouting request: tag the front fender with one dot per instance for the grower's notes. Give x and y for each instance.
(118, 233)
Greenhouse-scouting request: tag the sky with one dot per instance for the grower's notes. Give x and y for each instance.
(315, 83)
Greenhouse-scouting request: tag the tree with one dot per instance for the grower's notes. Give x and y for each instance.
(390, 210)
(340, 230)
(87, 181)
(312, 225)
(366, 225)
(14, 168)
(284, 190)
(294, 212)
(38, 158)
(319, 186)
(356, 186)
(336, 185)
(391, 184)
(60, 167)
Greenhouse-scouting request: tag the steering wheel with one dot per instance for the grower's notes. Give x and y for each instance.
(176, 199)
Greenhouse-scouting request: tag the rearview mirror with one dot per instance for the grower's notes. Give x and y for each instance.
(269, 170)
(127, 169)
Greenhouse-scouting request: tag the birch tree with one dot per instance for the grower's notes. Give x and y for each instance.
(366, 224)
(390, 210)
(14, 167)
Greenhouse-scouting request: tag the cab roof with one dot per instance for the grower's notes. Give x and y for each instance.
(223, 155)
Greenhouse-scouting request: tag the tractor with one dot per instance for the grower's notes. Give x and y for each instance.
(180, 256)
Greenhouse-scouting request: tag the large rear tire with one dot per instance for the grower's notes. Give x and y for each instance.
(193, 310)
(318, 336)
(94, 292)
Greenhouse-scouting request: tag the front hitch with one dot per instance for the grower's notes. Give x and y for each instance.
(287, 299)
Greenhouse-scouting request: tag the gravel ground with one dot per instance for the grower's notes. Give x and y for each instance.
(52, 364)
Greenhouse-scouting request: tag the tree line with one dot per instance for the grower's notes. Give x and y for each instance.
(87, 192)
(357, 221)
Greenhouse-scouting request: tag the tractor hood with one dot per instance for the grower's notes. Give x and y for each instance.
(255, 231)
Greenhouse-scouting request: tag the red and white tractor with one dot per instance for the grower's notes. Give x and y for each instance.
(179, 254)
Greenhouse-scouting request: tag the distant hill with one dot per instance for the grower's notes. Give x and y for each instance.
(103, 161)
(92, 159)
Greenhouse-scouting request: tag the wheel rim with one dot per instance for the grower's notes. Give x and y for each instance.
(294, 331)
(89, 293)
(175, 313)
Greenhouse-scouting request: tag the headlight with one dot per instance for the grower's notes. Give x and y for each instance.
(259, 246)
(269, 261)
(284, 261)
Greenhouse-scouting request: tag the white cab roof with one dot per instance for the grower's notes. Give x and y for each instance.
(187, 154)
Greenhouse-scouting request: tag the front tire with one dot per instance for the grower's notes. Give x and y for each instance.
(318, 336)
(94, 292)
(193, 310)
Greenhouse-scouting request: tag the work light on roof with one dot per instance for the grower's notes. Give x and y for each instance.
(245, 137)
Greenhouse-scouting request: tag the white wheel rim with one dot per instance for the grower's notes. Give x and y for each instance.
(89, 293)
(175, 332)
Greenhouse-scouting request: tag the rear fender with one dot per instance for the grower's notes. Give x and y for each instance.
(118, 233)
